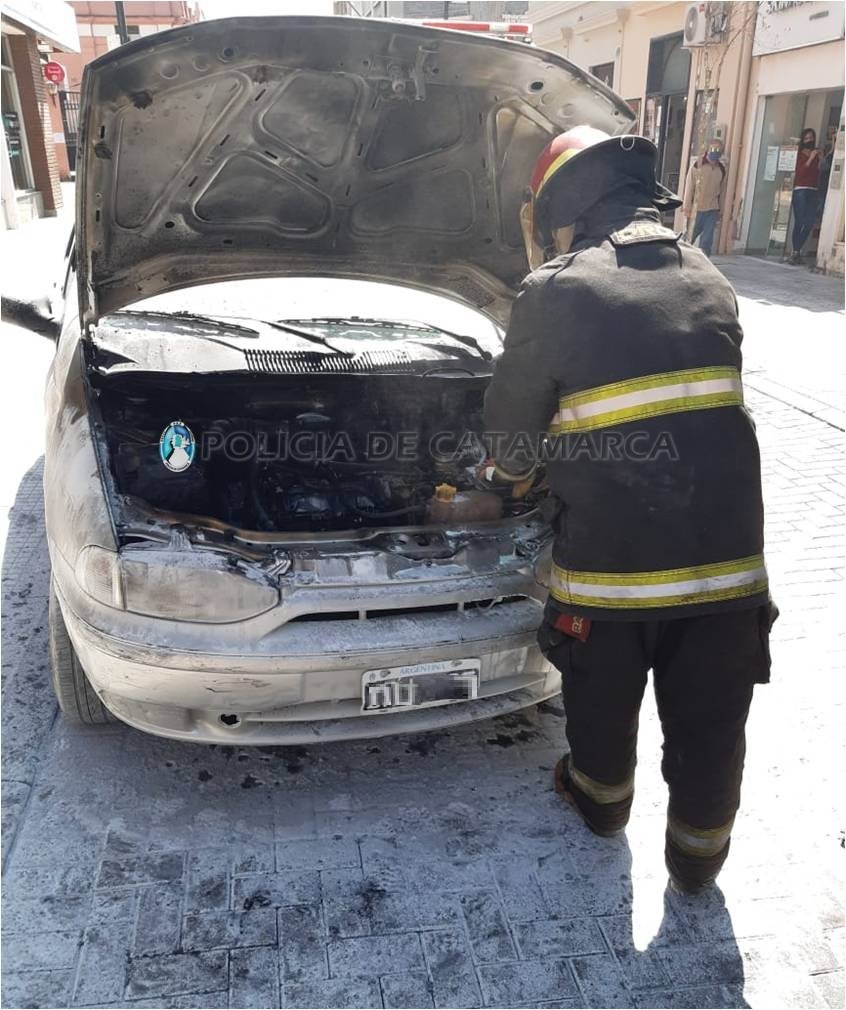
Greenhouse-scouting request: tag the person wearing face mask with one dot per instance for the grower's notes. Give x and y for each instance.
(624, 335)
(805, 200)
(704, 190)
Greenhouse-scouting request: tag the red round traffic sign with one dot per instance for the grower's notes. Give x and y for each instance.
(54, 72)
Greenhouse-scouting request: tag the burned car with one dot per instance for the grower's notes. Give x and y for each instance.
(266, 527)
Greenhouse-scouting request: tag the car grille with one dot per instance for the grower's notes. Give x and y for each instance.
(309, 362)
(372, 614)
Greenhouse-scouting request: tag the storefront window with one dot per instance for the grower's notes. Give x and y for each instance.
(784, 119)
(13, 126)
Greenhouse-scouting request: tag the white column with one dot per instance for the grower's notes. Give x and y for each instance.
(9, 197)
(830, 246)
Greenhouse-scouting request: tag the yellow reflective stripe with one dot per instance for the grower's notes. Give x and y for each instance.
(665, 575)
(725, 580)
(648, 396)
(555, 165)
(699, 841)
(599, 792)
(650, 382)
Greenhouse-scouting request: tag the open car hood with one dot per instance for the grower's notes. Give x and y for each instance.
(274, 146)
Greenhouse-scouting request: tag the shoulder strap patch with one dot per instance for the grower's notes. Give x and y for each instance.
(643, 231)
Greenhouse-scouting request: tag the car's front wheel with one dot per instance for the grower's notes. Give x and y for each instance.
(77, 698)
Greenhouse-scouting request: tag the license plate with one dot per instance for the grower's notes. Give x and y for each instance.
(400, 688)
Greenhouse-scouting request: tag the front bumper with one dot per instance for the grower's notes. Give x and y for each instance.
(302, 683)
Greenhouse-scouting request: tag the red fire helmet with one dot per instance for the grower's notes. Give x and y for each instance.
(580, 167)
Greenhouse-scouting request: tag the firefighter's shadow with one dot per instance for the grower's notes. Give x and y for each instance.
(669, 949)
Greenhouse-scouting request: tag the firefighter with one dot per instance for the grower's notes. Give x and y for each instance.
(621, 374)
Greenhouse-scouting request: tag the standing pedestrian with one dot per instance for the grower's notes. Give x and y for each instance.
(703, 189)
(620, 331)
(805, 200)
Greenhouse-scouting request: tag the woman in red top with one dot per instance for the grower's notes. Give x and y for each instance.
(805, 200)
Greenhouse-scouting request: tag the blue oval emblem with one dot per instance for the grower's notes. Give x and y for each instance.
(177, 446)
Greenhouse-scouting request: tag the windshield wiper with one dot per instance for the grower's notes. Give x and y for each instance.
(315, 338)
(461, 338)
(193, 317)
(231, 323)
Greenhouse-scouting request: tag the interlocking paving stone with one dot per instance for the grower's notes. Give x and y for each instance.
(119, 905)
(831, 985)
(703, 962)
(510, 983)
(559, 938)
(185, 1001)
(302, 947)
(642, 969)
(692, 997)
(601, 981)
(30, 951)
(332, 993)
(52, 913)
(317, 854)
(275, 890)
(149, 869)
(101, 976)
(521, 895)
(454, 979)
(37, 988)
(381, 954)
(254, 978)
(174, 974)
(208, 881)
(411, 990)
(209, 930)
(159, 912)
(361, 907)
(486, 927)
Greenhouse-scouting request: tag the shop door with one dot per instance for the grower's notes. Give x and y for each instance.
(769, 222)
(784, 119)
(672, 140)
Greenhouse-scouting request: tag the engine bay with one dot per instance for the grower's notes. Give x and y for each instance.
(305, 452)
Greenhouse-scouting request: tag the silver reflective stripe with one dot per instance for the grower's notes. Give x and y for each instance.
(648, 396)
(599, 792)
(699, 841)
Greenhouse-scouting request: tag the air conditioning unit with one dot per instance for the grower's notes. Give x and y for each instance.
(695, 25)
(704, 23)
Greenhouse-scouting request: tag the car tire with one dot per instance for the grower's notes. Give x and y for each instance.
(76, 697)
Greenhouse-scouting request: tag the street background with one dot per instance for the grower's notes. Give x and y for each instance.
(440, 869)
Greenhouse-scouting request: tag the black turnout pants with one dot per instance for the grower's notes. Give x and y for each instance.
(704, 669)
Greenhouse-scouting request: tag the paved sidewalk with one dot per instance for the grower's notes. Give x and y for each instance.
(437, 870)
(32, 254)
(793, 319)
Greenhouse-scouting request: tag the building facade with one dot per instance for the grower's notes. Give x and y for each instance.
(682, 95)
(751, 74)
(28, 164)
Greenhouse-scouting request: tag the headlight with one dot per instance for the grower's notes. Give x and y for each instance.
(98, 573)
(184, 586)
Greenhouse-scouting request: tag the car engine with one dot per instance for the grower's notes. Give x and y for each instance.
(303, 452)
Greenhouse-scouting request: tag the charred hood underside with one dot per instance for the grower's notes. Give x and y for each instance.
(332, 146)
